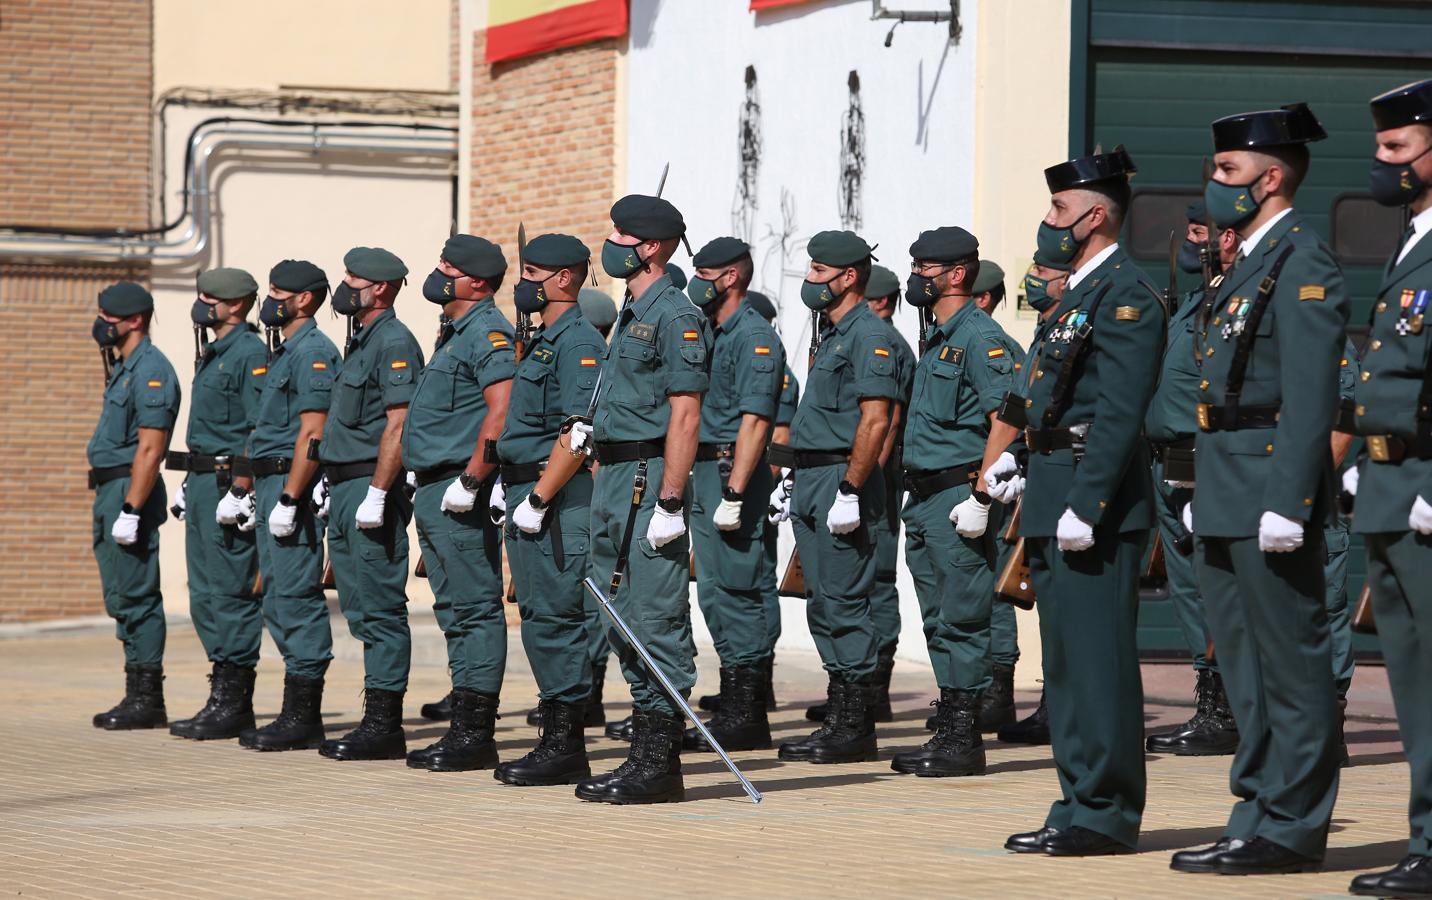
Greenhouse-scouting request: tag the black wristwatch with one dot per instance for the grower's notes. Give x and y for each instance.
(535, 500)
(239, 492)
(983, 498)
(670, 504)
(730, 493)
(469, 481)
(849, 489)
(286, 501)
(127, 508)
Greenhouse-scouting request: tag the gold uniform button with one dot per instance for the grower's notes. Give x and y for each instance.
(1203, 385)
(1039, 374)
(1361, 410)
(1382, 307)
(1269, 448)
(1307, 501)
(1366, 375)
(1376, 344)
(1102, 504)
(1210, 351)
(1217, 321)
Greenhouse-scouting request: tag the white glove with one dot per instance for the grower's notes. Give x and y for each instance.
(458, 499)
(125, 530)
(728, 515)
(320, 498)
(282, 520)
(970, 517)
(1009, 489)
(1349, 480)
(370, 511)
(1073, 533)
(411, 484)
(230, 507)
(778, 508)
(1277, 534)
(1187, 517)
(497, 503)
(665, 527)
(844, 515)
(1420, 520)
(580, 436)
(179, 506)
(528, 518)
(248, 517)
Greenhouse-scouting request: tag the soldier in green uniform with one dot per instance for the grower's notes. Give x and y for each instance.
(141, 401)
(1394, 484)
(457, 410)
(952, 439)
(731, 482)
(839, 493)
(1088, 507)
(598, 309)
(293, 409)
(645, 428)
(549, 493)
(217, 502)
(1269, 342)
(369, 509)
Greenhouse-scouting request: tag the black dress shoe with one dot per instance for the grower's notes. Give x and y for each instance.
(1080, 841)
(1261, 856)
(1205, 860)
(1411, 878)
(1030, 841)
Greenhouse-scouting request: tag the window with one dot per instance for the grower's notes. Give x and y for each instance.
(1153, 214)
(1364, 231)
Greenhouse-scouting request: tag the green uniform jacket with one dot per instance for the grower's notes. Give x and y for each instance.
(747, 360)
(856, 361)
(904, 364)
(790, 397)
(448, 405)
(1393, 366)
(227, 386)
(380, 371)
(143, 392)
(1110, 390)
(1293, 365)
(1173, 411)
(299, 380)
(554, 380)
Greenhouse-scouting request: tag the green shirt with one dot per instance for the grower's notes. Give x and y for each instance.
(904, 363)
(856, 361)
(661, 347)
(448, 405)
(143, 392)
(790, 398)
(224, 400)
(747, 361)
(380, 371)
(554, 381)
(299, 380)
(967, 369)
(1172, 413)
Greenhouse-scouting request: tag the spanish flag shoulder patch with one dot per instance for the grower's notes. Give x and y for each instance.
(763, 351)
(1312, 292)
(156, 384)
(881, 351)
(320, 364)
(589, 361)
(691, 334)
(995, 352)
(261, 370)
(398, 364)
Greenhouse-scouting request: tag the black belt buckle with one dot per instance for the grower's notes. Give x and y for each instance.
(176, 461)
(1014, 410)
(223, 472)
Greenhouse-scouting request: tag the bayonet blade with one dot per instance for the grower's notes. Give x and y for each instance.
(661, 185)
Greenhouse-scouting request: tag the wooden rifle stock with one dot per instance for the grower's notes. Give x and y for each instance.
(1013, 585)
(1362, 620)
(793, 583)
(1156, 569)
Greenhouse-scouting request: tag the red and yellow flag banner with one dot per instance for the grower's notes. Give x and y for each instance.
(517, 28)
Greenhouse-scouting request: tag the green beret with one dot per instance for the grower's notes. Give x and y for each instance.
(597, 308)
(719, 252)
(944, 245)
(125, 299)
(990, 277)
(882, 282)
(762, 305)
(649, 218)
(297, 275)
(677, 276)
(838, 248)
(555, 251)
(374, 264)
(473, 256)
(1043, 261)
(227, 284)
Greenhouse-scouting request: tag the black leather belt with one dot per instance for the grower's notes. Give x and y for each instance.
(107, 474)
(1162, 448)
(782, 455)
(1211, 418)
(341, 472)
(1047, 440)
(521, 473)
(709, 452)
(1394, 448)
(268, 465)
(432, 476)
(928, 484)
(812, 459)
(175, 461)
(629, 451)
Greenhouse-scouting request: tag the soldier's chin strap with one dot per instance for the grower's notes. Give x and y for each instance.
(109, 360)
(200, 346)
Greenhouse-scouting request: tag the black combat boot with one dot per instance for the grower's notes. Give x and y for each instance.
(143, 703)
(652, 772)
(712, 702)
(185, 727)
(534, 715)
(741, 724)
(380, 734)
(596, 714)
(620, 730)
(440, 711)
(234, 713)
(956, 749)
(817, 712)
(880, 701)
(469, 742)
(997, 707)
(1344, 759)
(299, 725)
(560, 756)
(1211, 730)
(798, 750)
(852, 738)
(1034, 729)
(768, 667)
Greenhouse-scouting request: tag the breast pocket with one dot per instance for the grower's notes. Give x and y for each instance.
(349, 397)
(828, 382)
(114, 418)
(723, 375)
(438, 389)
(274, 408)
(944, 388)
(529, 393)
(222, 402)
(633, 380)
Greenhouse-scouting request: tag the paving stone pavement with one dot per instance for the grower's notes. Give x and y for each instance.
(87, 813)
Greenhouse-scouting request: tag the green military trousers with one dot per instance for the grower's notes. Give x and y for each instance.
(547, 569)
(839, 571)
(294, 607)
(884, 597)
(731, 567)
(129, 576)
(1088, 615)
(1003, 627)
(1339, 615)
(463, 554)
(222, 561)
(370, 566)
(954, 582)
(770, 588)
(1169, 502)
(1268, 616)
(654, 597)
(1399, 564)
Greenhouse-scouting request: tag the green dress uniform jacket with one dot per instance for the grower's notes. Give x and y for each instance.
(143, 392)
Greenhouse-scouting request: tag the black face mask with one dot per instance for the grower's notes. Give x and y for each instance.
(347, 300)
(1396, 184)
(205, 314)
(531, 296)
(439, 288)
(1189, 258)
(106, 334)
(274, 313)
